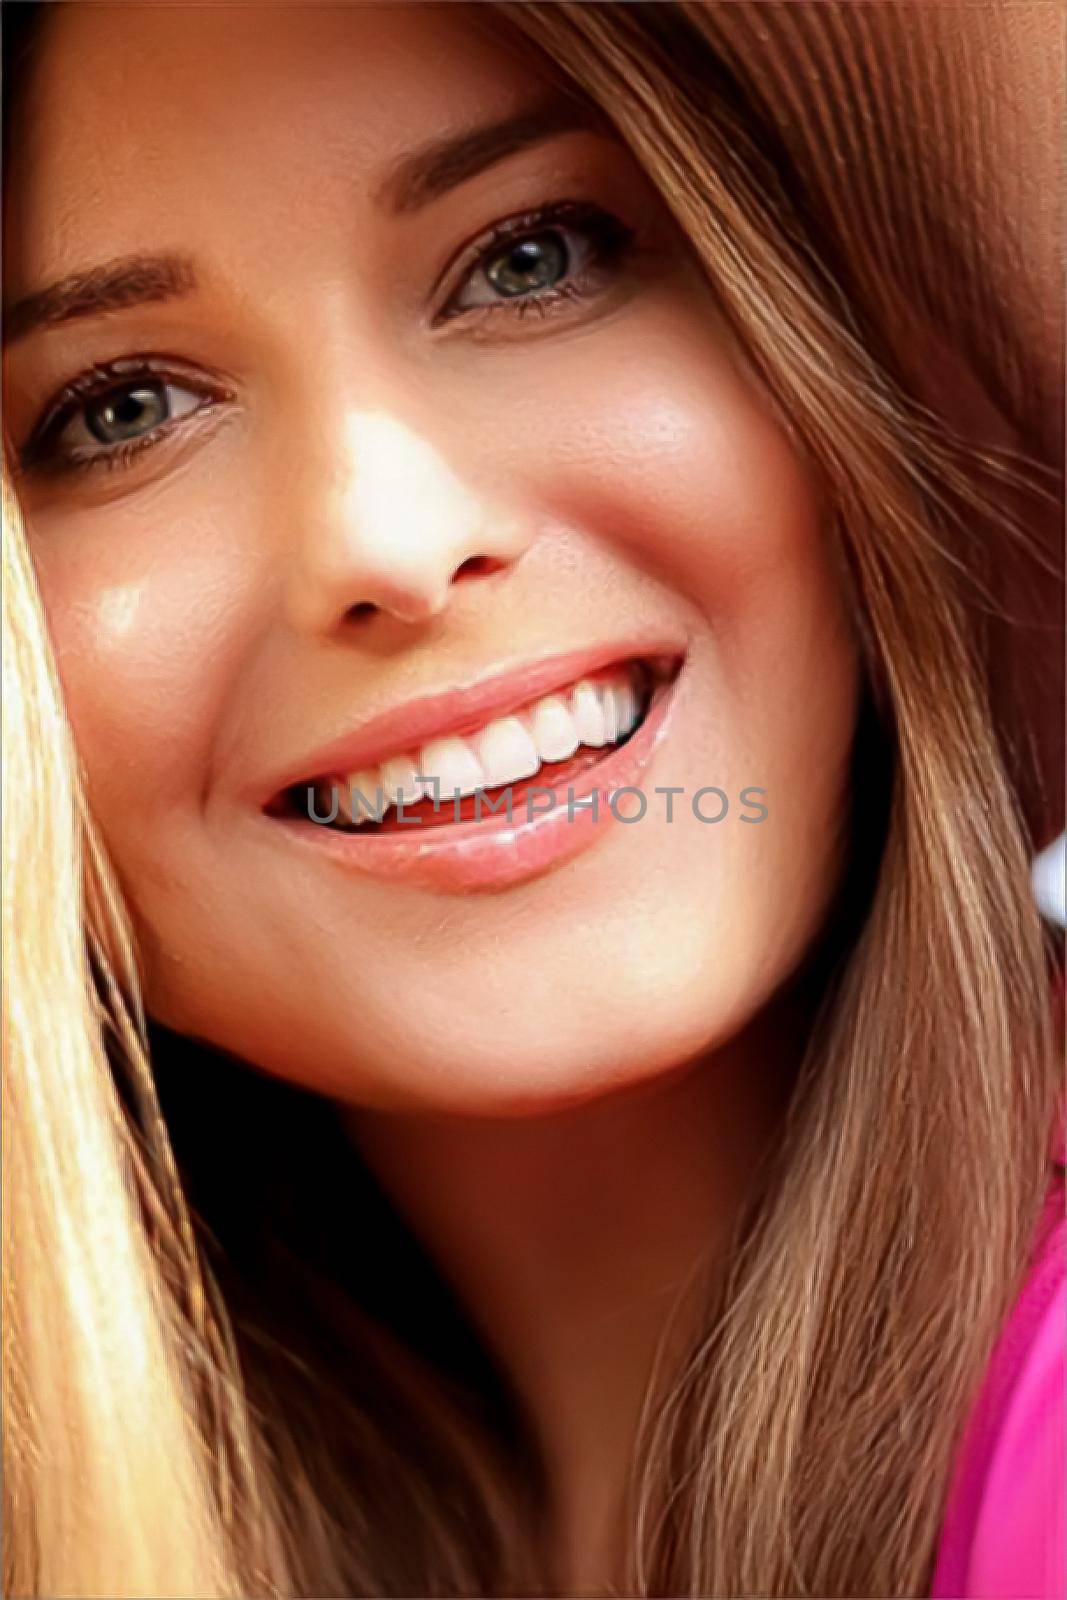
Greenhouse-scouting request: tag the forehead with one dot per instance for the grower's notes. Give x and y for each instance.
(141, 114)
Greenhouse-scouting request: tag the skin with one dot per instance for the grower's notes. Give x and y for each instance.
(562, 1082)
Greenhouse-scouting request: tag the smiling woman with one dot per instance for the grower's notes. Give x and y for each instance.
(528, 1057)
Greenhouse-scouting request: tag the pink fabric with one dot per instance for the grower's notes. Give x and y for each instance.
(1003, 1535)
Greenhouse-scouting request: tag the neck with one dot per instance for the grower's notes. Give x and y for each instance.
(583, 1244)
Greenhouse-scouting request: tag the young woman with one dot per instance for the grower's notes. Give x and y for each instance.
(621, 1190)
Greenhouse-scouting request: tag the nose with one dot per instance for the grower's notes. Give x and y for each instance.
(392, 530)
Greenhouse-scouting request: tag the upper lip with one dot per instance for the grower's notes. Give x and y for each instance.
(462, 709)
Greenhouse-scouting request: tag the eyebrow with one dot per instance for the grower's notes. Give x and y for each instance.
(445, 163)
(414, 182)
(112, 286)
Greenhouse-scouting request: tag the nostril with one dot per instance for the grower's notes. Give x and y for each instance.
(416, 603)
(478, 567)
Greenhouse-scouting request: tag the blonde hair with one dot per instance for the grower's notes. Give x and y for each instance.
(805, 1448)
(104, 1477)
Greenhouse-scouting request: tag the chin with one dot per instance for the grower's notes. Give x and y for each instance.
(519, 1044)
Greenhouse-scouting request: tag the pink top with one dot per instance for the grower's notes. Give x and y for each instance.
(1003, 1535)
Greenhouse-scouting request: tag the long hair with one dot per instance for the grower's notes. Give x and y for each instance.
(205, 1396)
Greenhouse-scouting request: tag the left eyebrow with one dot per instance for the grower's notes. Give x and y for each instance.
(129, 281)
(445, 163)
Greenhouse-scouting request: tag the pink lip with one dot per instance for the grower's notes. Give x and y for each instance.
(495, 853)
(460, 711)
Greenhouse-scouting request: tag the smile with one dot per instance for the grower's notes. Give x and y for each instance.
(503, 800)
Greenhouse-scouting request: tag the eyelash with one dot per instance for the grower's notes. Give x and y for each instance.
(610, 241)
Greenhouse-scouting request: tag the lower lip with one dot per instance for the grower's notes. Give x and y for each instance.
(495, 853)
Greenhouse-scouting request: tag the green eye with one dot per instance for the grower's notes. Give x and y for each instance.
(569, 250)
(531, 264)
(102, 417)
(127, 413)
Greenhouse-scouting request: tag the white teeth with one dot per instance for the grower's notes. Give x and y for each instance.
(553, 729)
(506, 751)
(398, 780)
(588, 713)
(359, 798)
(625, 709)
(455, 766)
(611, 714)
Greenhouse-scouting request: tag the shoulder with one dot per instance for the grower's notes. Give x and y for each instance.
(1003, 1537)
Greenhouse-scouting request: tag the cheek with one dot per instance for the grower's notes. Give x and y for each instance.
(665, 451)
(651, 435)
(146, 606)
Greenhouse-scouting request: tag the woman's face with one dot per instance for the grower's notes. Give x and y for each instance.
(341, 449)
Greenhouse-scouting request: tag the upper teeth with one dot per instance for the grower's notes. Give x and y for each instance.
(507, 750)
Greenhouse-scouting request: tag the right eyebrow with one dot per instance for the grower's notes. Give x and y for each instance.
(113, 286)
